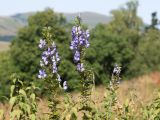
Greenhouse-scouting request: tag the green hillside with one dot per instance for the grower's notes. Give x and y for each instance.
(89, 18)
(11, 24)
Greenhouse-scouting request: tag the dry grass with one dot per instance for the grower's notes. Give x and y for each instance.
(143, 87)
(4, 46)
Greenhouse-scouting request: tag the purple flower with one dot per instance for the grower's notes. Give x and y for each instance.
(65, 87)
(57, 57)
(82, 40)
(76, 30)
(48, 51)
(50, 57)
(44, 58)
(53, 51)
(79, 38)
(42, 74)
(77, 56)
(42, 43)
(87, 44)
(116, 70)
(45, 53)
(80, 67)
(54, 67)
(74, 45)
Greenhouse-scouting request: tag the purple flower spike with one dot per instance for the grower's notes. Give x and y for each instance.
(42, 43)
(42, 74)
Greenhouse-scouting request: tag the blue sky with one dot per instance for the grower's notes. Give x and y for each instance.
(10, 7)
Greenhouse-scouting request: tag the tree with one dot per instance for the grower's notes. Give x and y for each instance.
(6, 69)
(149, 50)
(24, 48)
(116, 42)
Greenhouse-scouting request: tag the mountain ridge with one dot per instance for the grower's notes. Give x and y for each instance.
(9, 25)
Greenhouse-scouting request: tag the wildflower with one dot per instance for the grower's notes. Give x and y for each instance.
(54, 66)
(57, 57)
(116, 70)
(50, 56)
(42, 43)
(76, 56)
(79, 38)
(42, 74)
(80, 67)
(116, 74)
(44, 58)
(65, 87)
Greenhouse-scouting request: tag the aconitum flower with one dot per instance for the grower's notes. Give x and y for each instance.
(50, 57)
(80, 67)
(42, 74)
(57, 57)
(54, 67)
(116, 74)
(79, 38)
(42, 43)
(44, 58)
(65, 87)
(116, 70)
(77, 56)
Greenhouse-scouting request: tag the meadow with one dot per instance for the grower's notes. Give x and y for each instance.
(142, 89)
(4, 46)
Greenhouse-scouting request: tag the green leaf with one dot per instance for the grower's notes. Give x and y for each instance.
(32, 117)
(12, 100)
(32, 96)
(16, 114)
(12, 90)
(21, 91)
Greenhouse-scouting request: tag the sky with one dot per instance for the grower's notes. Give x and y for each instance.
(11, 7)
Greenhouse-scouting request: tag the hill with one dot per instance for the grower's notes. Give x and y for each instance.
(11, 24)
(89, 18)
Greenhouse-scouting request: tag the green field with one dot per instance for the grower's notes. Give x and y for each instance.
(4, 46)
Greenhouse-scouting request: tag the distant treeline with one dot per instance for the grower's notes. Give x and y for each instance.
(6, 38)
